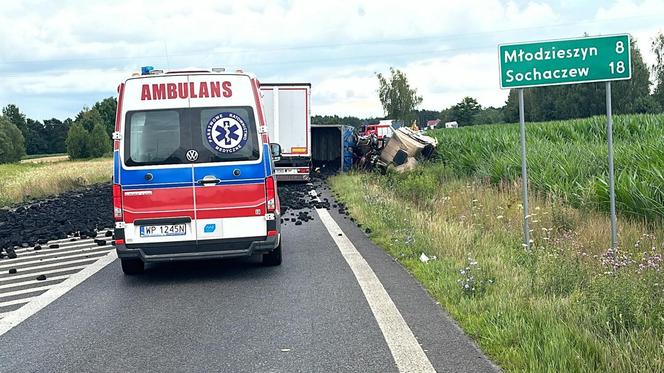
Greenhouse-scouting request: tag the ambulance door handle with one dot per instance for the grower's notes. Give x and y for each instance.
(208, 180)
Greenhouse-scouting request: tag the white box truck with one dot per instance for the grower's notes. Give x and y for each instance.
(288, 119)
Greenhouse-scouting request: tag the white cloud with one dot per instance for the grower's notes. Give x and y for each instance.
(446, 48)
(72, 81)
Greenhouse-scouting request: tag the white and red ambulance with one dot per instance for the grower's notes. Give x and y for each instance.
(193, 169)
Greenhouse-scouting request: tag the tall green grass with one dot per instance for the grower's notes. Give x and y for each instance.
(569, 160)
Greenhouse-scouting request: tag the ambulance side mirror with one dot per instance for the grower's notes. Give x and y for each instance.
(275, 149)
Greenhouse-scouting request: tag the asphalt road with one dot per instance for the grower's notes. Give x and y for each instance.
(308, 315)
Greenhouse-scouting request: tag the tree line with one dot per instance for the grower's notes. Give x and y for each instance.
(88, 135)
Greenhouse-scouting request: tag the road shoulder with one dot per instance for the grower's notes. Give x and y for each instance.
(445, 344)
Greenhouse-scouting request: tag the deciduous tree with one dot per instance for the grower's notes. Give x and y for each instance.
(397, 97)
(12, 146)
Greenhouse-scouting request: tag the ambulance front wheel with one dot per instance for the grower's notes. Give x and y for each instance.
(273, 258)
(132, 266)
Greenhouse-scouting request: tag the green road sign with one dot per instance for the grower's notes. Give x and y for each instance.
(565, 61)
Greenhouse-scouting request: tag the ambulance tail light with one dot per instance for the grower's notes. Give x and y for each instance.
(117, 202)
(270, 194)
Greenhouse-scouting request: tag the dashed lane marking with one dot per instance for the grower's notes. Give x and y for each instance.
(406, 351)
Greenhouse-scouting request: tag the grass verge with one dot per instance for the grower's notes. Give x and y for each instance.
(20, 182)
(569, 304)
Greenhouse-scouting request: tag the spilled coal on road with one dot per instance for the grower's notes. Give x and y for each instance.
(83, 212)
(80, 212)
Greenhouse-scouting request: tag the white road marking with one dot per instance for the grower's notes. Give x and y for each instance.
(15, 301)
(54, 253)
(33, 275)
(25, 291)
(65, 265)
(67, 242)
(406, 351)
(56, 291)
(100, 235)
(45, 249)
(81, 253)
(29, 282)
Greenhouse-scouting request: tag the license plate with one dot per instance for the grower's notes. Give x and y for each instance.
(163, 230)
(288, 171)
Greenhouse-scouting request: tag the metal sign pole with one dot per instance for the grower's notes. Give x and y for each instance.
(524, 171)
(612, 189)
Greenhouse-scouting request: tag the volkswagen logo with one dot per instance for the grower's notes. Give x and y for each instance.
(192, 155)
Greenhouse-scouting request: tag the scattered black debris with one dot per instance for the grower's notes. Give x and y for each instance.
(53, 246)
(100, 242)
(41, 277)
(297, 204)
(108, 233)
(368, 231)
(72, 239)
(12, 271)
(83, 210)
(340, 234)
(37, 248)
(11, 254)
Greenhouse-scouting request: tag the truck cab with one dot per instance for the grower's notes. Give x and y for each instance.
(194, 174)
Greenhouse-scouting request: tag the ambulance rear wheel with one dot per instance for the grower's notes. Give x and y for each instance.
(132, 266)
(273, 258)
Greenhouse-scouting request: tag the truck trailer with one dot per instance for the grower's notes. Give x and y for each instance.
(287, 112)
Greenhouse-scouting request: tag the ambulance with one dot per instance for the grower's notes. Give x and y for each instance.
(193, 173)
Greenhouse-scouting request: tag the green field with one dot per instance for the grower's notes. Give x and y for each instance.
(570, 304)
(24, 181)
(568, 160)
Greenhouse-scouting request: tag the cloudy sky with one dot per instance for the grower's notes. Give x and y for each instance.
(56, 57)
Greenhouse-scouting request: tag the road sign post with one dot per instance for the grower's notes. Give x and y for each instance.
(524, 171)
(612, 181)
(566, 61)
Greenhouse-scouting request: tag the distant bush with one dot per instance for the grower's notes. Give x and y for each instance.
(99, 142)
(87, 137)
(12, 143)
(78, 140)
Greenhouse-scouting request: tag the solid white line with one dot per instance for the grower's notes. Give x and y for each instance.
(64, 257)
(32, 275)
(407, 352)
(55, 292)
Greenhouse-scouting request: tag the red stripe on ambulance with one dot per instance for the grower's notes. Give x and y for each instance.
(230, 201)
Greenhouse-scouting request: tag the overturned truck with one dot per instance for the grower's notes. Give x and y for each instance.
(402, 151)
(332, 148)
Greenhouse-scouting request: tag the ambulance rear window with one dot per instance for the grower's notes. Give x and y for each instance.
(216, 134)
(154, 137)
